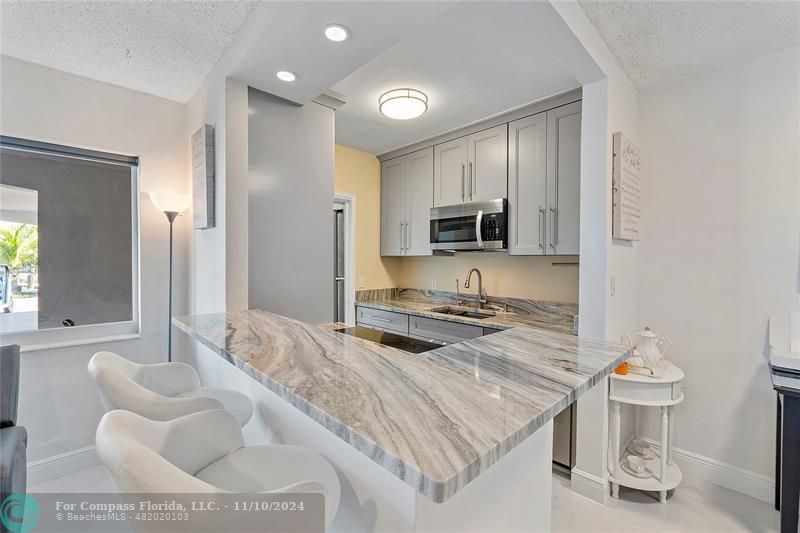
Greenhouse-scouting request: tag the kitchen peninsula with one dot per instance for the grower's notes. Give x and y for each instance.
(464, 431)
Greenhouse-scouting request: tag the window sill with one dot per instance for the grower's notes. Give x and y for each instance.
(50, 339)
(31, 347)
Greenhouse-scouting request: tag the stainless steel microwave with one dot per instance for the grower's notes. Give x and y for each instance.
(473, 226)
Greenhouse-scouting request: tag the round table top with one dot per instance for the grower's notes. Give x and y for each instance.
(671, 374)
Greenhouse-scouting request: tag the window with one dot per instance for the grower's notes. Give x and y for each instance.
(68, 244)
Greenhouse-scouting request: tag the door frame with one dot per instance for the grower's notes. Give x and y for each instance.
(347, 203)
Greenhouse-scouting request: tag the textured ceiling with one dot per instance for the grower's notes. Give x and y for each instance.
(474, 60)
(660, 40)
(165, 47)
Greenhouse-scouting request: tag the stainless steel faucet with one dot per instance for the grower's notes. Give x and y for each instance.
(480, 296)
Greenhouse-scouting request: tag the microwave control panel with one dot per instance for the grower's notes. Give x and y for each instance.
(493, 227)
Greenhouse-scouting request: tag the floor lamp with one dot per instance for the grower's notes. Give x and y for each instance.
(171, 204)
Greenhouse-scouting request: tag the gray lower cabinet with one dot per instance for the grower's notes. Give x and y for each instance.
(441, 330)
(423, 328)
(378, 318)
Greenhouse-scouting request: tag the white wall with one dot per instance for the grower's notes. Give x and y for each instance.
(719, 249)
(610, 104)
(58, 401)
(290, 203)
(219, 254)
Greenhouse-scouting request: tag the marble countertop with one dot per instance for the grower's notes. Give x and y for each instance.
(552, 316)
(435, 420)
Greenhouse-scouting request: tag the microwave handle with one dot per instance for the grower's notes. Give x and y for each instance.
(478, 221)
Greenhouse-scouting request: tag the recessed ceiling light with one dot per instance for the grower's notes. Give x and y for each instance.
(285, 75)
(336, 32)
(403, 104)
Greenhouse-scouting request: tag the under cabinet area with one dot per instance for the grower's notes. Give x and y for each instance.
(406, 201)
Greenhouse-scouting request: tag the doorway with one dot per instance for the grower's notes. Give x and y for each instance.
(344, 258)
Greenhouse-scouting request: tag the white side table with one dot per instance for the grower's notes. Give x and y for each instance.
(642, 391)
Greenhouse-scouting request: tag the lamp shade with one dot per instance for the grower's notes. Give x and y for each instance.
(170, 202)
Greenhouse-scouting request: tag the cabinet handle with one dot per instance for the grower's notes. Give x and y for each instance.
(541, 226)
(401, 237)
(553, 227)
(463, 166)
(470, 181)
(405, 241)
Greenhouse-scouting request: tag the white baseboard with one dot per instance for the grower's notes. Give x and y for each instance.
(731, 477)
(589, 485)
(61, 465)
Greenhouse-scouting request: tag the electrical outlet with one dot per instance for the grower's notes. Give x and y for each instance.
(433, 284)
(613, 285)
(361, 282)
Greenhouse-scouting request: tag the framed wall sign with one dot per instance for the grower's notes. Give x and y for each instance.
(203, 177)
(626, 189)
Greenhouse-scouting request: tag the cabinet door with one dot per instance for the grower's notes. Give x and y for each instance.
(449, 172)
(419, 200)
(441, 330)
(392, 207)
(564, 179)
(527, 185)
(487, 169)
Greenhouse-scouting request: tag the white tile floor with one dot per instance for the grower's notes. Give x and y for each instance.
(695, 506)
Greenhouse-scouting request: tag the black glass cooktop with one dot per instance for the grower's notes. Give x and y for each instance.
(407, 344)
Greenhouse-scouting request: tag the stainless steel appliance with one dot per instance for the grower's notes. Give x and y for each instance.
(338, 266)
(407, 344)
(564, 437)
(473, 226)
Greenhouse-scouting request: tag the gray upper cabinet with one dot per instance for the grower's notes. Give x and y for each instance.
(449, 172)
(392, 207)
(406, 201)
(544, 182)
(527, 185)
(419, 185)
(564, 179)
(487, 165)
(473, 168)
(534, 161)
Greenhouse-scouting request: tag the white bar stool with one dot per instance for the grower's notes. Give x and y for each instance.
(161, 391)
(205, 453)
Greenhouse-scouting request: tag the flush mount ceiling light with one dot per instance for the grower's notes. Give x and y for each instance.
(336, 32)
(403, 104)
(285, 75)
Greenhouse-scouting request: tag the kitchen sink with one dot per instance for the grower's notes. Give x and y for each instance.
(467, 313)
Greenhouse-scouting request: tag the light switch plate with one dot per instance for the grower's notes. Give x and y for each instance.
(433, 284)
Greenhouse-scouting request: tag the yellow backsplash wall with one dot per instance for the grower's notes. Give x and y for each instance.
(503, 275)
(359, 174)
